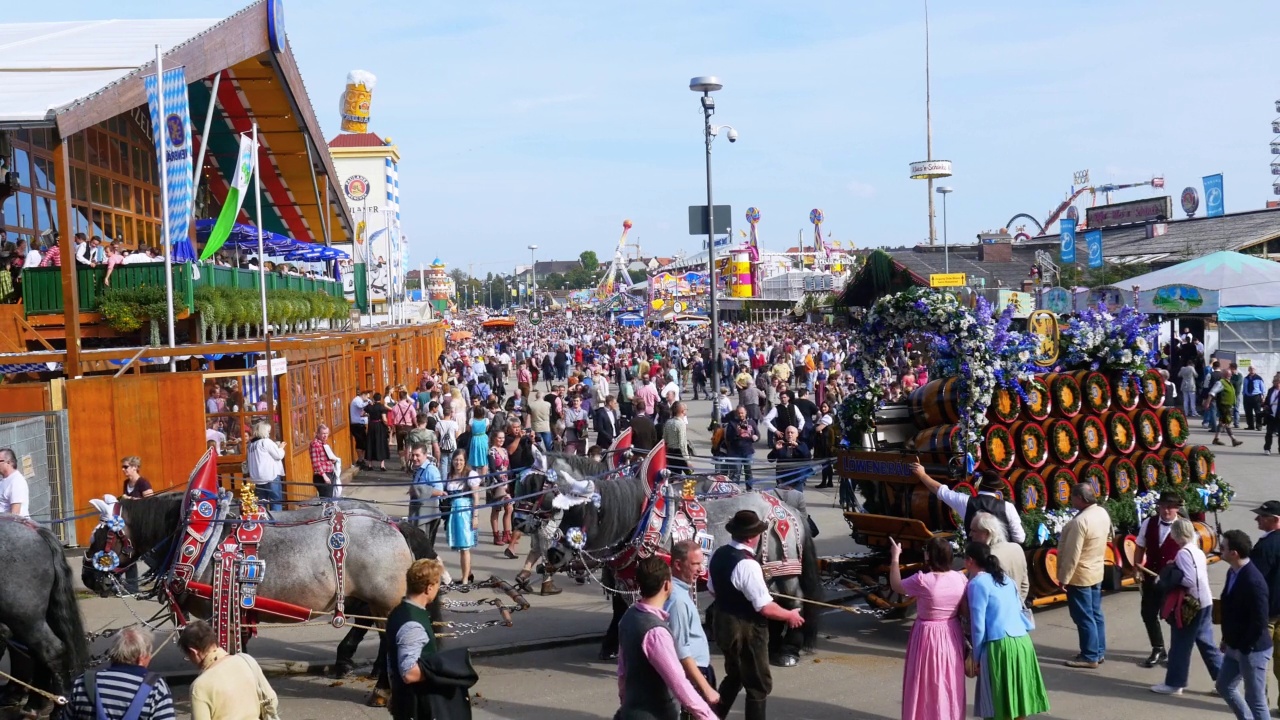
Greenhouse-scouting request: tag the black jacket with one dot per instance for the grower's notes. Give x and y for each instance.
(1245, 610)
(1266, 556)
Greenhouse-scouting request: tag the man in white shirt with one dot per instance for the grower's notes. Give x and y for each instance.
(671, 388)
(360, 423)
(14, 494)
(33, 256)
(987, 500)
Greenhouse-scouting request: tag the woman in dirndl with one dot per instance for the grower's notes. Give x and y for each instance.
(933, 679)
(1004, 659)
(478, 457)
(463, 489)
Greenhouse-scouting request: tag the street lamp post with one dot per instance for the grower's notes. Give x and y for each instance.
(706, 85)
(533, 275)
(944, 191)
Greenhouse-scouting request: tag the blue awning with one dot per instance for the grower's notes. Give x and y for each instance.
(1248, 313)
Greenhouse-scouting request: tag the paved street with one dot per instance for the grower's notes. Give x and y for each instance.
(856, 673)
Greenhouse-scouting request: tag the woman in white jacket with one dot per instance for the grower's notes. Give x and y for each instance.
(266, 467)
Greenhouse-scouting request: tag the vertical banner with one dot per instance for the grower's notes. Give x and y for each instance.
(1067, 252)
(172, 136)
(1213, 204)
(1093, 241)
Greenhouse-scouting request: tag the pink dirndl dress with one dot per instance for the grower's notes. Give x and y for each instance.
(933, 680)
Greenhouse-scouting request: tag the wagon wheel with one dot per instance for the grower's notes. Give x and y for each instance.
(880, 596)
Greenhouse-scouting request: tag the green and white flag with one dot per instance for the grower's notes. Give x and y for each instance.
(235, 198)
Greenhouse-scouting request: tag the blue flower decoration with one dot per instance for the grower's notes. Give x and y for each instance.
(115, 523)
(105, 561)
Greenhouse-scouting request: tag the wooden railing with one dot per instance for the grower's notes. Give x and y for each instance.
(42, 287)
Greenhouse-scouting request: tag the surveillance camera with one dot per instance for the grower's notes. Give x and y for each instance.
(733, 135)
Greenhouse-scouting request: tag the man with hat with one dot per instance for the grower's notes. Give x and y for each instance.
(989, 499)
(743, 607)
(1266, 557)
(1155, 549)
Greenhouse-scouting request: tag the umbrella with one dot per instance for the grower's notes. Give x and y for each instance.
(245, 237)
(306, 252)
(460, 335)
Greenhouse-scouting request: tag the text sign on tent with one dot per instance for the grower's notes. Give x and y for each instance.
(1179, 300)
(941, 280)
(698, 219)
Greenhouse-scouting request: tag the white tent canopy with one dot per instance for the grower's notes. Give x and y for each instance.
(1240, 279)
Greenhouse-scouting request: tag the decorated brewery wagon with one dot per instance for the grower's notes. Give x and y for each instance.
(1044, 408)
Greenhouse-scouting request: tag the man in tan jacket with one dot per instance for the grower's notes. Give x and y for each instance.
(1081, 561)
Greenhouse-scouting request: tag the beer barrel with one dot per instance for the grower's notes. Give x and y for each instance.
(1064, 443)
(1208, 540)
(1177, 467)
(1153, 389)
(1029, 492)
(1039, 403)
(1130, 545)
(1151, 472)
(943, 439)
(1176, 429)
(1005, 405)
(1125, 391)
(998, 449)
(1042, 572)
(1120, 432)
(1065, 392)
(1202, 467)
(1096, 390)
(1123, 474)
(937, 403)
(928, 509)
(1032, 447)
(1059, 481)
(1146, 428)
(1093, 436)
(1094, 473)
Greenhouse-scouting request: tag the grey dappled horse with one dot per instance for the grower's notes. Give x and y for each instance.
(298, 566)
(622, 504)
(39, 618)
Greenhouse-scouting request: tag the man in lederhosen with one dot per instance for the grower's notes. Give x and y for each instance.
(743, 607)
(1156, 548)
(988, 499)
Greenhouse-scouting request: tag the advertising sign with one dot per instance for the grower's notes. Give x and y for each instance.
(1213, 204)
(930, 169)
(1067, 251)
(941, 280)
(1179, 300)
(1190, 201)
(1129, 213)
(1057, 300)
(1093, 241)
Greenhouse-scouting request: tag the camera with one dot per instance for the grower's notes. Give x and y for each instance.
(733, 135)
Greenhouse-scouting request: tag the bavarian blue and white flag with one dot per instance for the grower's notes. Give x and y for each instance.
(172, 136)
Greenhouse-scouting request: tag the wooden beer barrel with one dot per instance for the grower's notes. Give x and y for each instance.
(928, 509)
(1005, 405)
(1065, 392)
(943, 439)
(1064, 442)
(1208, 540)
(1096, 390)
(1202, 466)
(937, 403)
(1030, 444)
(1151, 472)
(1123, 474)
(1125, 391)
(1029, 492)
(1059, 481)
(1094, 473)
(1177, 467)
(1042, 572)
(1039, 402)
(1146, 428)
(1093, 436)
(1120, 432)
(1176, 429)
(1153, 389)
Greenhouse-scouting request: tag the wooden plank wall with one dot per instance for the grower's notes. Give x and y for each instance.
(24, 397)
(157, 416)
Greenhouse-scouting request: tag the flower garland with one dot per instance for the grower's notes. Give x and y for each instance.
(1006, 404)
(1098, 339)
(1128, 393)
(1064, 443)
(1097, 392)
(1202, 465)
(1032, 444)
(1093, 436)
(1151, 472)
(997, 448)
(1065, 392)
(1150, 433)
(1153, 389)
(1044, 528)
(1038, 403)
(1177, 468)
(1176, 430)
(1124, 476)
(1120, 430)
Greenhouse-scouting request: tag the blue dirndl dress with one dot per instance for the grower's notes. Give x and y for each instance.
(478, 453)
(462, 509)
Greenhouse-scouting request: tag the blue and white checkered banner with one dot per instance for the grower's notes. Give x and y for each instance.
(1067, 227)
(1093, 241)
(174, 131)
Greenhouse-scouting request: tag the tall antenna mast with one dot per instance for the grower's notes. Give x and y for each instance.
(929, 169)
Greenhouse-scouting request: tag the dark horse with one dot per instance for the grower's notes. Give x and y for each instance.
(39, 617)
(622, 505)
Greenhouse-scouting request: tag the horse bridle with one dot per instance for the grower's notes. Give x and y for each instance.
(108, 560)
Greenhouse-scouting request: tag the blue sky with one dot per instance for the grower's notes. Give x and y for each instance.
(551, 122)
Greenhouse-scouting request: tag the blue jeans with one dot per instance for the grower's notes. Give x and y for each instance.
(1211, 415)
(1197, 634)
(1189, 403)
(269, 494)
(1085, 604)
(1252, 667)
(546, 441)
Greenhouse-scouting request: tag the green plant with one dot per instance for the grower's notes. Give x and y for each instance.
(126, 309)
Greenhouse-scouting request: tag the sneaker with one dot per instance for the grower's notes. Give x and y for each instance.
(1166, 689)
(1237, 443)
(1266, 452)
(1082, 664)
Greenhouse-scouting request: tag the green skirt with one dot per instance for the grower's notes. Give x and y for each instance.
(1009, 684)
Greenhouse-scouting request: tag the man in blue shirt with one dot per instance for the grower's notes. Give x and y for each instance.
(426, 490)
(1254, 389)
(692, 649)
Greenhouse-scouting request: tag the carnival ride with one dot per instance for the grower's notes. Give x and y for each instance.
(1067, 206)
(1042, 427)
(616, 278)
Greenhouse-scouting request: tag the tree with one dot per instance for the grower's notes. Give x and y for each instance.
(589, 261)
(553, 281)
(1109, 274)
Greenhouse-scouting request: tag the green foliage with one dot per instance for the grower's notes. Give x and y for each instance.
(242, 306)
(589, 261)
(126, 309)
(1076, 276)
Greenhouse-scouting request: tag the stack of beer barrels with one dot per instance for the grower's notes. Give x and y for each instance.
(1112, 431)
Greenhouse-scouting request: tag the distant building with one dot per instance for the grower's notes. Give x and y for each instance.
(441, 289)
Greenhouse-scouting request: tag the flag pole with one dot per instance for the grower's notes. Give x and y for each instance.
(262, 274)
(204, 136)
(164, 203)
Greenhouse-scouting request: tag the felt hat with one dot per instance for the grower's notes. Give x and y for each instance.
(745, 523)
(1270, 507)
(1168, 497)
